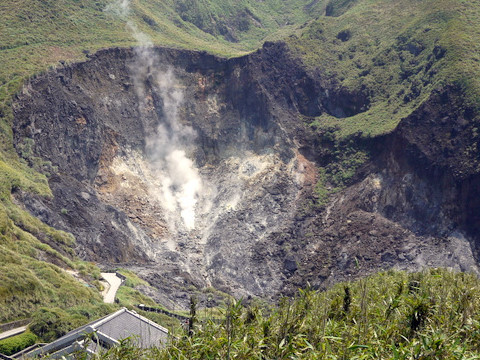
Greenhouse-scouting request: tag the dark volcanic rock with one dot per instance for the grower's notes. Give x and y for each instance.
(101, 122)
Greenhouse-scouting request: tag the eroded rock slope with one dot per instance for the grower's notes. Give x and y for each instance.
(197, 171)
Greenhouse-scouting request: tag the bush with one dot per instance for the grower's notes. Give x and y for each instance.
(17, 343)
(50, 324)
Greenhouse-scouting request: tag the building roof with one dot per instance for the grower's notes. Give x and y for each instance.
(107, 332)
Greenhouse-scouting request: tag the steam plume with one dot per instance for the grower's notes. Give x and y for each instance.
(120, 8)
(180, 181)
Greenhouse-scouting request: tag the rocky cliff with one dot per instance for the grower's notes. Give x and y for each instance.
(198, 171)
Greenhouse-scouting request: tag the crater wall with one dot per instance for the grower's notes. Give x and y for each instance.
(197, 171)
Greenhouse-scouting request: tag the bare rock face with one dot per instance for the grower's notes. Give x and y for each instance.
(195, 171)
(414, 205)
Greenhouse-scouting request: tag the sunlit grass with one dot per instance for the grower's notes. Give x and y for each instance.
(390, 315)
(397, 53)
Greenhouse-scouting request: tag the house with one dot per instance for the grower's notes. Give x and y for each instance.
(105, 333)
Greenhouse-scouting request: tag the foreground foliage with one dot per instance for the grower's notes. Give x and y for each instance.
(16, 343)
(51, 323)
(391, 315)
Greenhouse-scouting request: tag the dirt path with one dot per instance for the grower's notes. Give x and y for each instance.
(12, 332)
(114, 283)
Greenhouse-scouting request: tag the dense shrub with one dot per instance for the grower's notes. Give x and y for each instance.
(17, 343)
(50, 324)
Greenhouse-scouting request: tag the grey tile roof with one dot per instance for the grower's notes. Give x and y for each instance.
(109, 331)
(144, 333)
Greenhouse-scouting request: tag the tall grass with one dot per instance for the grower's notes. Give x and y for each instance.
(391, 315)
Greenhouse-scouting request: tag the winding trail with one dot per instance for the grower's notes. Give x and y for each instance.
(114, 283)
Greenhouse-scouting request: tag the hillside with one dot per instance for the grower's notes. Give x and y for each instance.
(325, 141)
(38, 34)
(34, 37)
(394, 54)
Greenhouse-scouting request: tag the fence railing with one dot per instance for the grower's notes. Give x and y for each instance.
(162, 311)
(123, 277)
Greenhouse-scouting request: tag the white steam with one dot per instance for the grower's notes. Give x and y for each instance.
(180, 183)
(120, 8)
(183, 187)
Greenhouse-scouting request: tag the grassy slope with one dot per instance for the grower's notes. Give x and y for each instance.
(395, 55)
(391, 315)
(36, 35)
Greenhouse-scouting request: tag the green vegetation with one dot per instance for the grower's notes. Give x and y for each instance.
(346, 157)
(321, 192)
(128, 296)
(27, 283)
(389, 55)
(132, 280)
(49, 324)
(385, 58)
(28, 277)
(17, 343)
(393, 54)
(391, 315)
